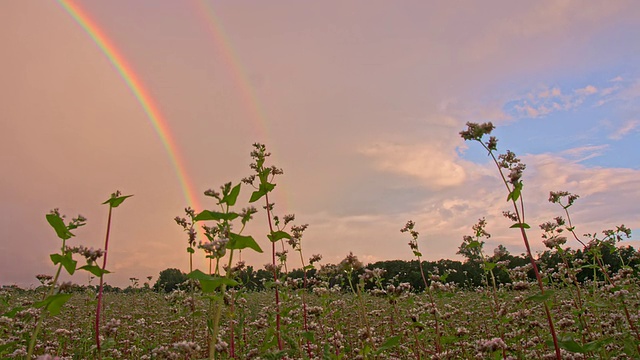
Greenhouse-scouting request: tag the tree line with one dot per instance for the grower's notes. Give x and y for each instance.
(468, 273)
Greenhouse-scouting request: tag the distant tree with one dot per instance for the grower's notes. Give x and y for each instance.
(112, 289)
(169, 280)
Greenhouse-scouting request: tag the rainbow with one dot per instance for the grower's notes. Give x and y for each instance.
(150, 108)
(242, 81)
(243, 84)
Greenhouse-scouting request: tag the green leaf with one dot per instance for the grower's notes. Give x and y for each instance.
(571, 345)
(474, 244)
(630, 348)
(540, 297)
(268, 187)
(256, 195)
(515, 194)
(53, 303)
(520, 225)
(277, 235)
(488, 266)
(199, 275)
(231, 198)
(591, 266)
(210, 283)
(114, 202)
(66, 260)
(239, 242)
(12, 313)
(596, 345)
(58, 225)
(190, 250)
(390, 343)
(263, 189)
(263, 175)
(95, 270)
(215, 215)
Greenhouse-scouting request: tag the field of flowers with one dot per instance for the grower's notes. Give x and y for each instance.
(385, 323)
(584, 304)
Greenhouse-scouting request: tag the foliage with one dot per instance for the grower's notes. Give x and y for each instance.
(169, 280)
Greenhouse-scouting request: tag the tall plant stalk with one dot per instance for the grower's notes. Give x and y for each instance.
(556, 197)
(413, 244)
(221, 238)
(113, 202)
(53, 302)
(265, 176)
(514, 186)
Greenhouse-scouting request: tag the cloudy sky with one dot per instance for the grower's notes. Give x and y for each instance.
(359, 102)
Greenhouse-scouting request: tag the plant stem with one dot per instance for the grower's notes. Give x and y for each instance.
(218, 311)
(104, 265)
(32, 341)
(520, 218)
(433, 304)
(275, 275)
(304, 302)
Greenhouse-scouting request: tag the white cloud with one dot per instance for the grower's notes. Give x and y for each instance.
(587, 90)
(625, 129)
(541, 102)
(434, 166)
(583, 153)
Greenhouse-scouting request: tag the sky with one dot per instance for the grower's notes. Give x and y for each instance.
(360, 103)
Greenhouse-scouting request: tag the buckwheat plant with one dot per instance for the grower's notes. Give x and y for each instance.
(565, 199)
(413, 244)
(296, 243)
(55, 298)
(114, 201)
(188, 227)
(222, 237)
(262, 181)
(553, 238)
(472, 249)
(514, 169)
(349, 266)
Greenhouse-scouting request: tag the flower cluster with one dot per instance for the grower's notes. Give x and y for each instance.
(510, 162)
(477, 131)
(556, 197)
(187, 226)
(90, 254)
(350, 263)
(552, 230)
(296, 236)
(216, 248)
(413, 243)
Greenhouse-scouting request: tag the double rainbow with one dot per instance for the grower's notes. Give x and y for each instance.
(152, 111)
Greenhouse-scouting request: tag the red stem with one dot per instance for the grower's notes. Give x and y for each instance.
(520, 218)
(104, 265)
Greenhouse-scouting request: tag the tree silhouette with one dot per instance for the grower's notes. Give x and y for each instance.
(169, 280)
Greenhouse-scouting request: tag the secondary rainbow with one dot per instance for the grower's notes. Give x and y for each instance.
(140, 92)
(256, 111)
(242, 82)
